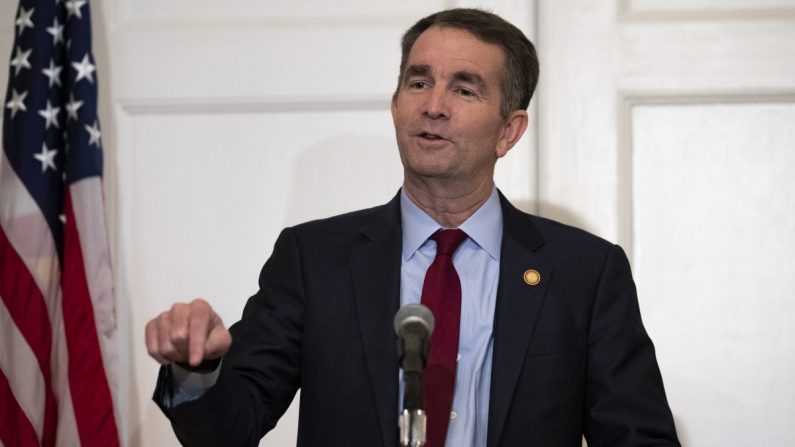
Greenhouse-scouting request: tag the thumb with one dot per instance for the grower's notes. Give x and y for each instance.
(218, 342)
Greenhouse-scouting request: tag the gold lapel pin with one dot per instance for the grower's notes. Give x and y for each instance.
(532, 277)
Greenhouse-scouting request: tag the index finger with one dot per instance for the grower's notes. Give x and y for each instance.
(200, 315)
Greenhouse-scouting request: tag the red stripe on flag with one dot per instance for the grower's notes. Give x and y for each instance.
(15, 428)
(27, 308)
(91, 397)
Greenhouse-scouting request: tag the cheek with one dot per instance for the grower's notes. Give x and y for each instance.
(488, 130)
(400, 119)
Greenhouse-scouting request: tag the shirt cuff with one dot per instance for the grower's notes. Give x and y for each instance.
(189, 385)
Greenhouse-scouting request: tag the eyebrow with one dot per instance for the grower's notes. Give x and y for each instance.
(471, 78)
(461, 75)
(417, 70)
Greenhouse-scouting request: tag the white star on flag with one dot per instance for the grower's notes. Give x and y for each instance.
(85, 69)
(50, 114)
(17, 102)
(72, 107)
(23, 21)
(56, 30)
(53, 73)
(46, 157)
(73, 6)
(93, 134)
(21, 60)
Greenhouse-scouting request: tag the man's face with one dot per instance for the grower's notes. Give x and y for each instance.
(447, 109)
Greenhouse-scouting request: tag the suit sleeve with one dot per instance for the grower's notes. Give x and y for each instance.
(261, 372)
(625, 399)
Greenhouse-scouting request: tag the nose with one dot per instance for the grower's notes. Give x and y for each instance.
(436, 104)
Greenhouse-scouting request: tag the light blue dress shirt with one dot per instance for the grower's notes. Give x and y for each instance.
(477, 262)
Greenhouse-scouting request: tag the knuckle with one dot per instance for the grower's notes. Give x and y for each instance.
(178, 308)
(200, 305)
(167, 351)
(216, 320)
(179, 336)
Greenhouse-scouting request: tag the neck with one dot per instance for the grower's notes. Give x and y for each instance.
(449, 207)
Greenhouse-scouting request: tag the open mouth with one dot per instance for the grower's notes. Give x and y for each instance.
(431, 136)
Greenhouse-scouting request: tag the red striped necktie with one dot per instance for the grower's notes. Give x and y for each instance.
(441, 293)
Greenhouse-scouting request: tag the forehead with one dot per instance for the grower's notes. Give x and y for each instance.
(446, 49)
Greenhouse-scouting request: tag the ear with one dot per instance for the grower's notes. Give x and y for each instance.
(512, 130)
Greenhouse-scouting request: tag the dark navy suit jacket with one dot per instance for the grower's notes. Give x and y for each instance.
(571, 356)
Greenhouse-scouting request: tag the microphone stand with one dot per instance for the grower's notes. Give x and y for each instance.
(412, 420)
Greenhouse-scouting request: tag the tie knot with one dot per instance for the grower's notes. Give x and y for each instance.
(447, 241)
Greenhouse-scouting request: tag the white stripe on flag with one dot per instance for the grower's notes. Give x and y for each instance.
(29, 234)
(66, 434)
(89, 213)
(21, 368)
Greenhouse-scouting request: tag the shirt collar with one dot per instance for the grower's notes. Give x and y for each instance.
(484, 227)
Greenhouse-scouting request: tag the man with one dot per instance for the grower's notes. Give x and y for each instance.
(547, 340)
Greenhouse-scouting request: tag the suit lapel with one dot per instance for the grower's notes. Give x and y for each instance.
(375, 267)
(518, 307)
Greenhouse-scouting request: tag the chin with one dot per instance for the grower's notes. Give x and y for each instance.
(426, 171)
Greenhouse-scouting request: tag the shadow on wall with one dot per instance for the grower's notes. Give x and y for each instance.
(128, 399)
(528, 206)
(350, 172)
(562, 215)
(341, 174)
(681, 431)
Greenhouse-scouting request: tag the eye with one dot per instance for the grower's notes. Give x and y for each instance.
(465, 92)
(418, 84)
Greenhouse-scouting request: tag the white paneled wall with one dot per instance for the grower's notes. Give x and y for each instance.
(714, 6)
(713, 227)
(226, 123)
(667, 126)
(8, 11)
(662, 125)
(209, 192)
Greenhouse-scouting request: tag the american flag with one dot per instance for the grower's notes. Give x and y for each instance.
(57, 324)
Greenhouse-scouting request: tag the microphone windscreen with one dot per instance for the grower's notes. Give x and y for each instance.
(413, 313)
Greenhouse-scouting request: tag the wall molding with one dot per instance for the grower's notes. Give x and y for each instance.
(628, 100)
(403, 20)
(260, 23)
(225, 105)
(627, 13)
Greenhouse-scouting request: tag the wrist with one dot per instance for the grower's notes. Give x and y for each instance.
(205, 367)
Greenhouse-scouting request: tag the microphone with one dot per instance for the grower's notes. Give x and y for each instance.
(414, 325)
